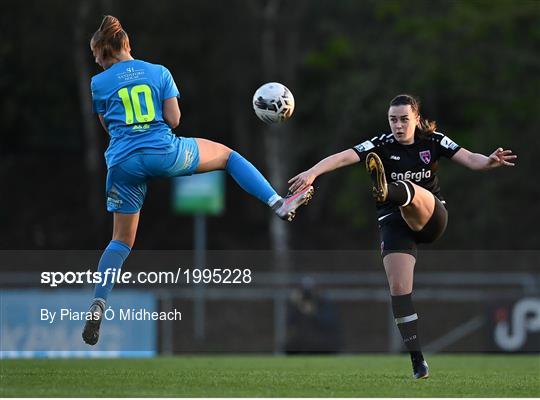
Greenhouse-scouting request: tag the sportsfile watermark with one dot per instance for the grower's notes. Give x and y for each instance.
(225, 276)
(491, 298)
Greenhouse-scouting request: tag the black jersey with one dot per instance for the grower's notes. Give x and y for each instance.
(416, 162)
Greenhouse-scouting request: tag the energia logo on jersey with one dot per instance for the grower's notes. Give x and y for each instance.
(415, 176)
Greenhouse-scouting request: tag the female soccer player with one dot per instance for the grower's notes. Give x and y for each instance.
(137, 105)
(402, 165)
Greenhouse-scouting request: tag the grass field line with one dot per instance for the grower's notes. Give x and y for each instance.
(465, 375)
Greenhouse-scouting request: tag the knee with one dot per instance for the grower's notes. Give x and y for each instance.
(399, 288)
(226, 154)
(221, 155)
(128, 240)
(213, 153)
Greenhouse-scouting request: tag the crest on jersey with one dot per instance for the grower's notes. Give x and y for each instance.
(425, 156)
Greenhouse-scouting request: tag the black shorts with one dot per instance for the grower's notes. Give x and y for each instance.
(397, 237)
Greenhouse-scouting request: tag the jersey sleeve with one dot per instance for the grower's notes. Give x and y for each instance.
(446, 146)
(98, 104)
(364, 148)
(168, 87)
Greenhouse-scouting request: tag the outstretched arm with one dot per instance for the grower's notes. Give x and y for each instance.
(480, 162)
(335, 161)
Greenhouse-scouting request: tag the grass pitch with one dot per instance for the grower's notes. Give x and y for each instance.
(268, 376)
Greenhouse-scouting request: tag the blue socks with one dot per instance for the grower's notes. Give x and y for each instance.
(250, 179)
(112, 258)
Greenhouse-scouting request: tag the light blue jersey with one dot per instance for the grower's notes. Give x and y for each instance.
(129, 95)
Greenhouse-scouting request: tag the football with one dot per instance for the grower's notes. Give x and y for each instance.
(273, 103)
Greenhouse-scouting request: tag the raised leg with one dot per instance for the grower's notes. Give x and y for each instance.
(418, 212)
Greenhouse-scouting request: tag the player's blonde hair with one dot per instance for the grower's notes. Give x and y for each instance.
(110, 38)
(425, 126)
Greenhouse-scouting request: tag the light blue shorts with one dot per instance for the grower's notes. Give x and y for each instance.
(127, 182)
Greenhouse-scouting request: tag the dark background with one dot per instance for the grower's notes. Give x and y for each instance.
(474, 64)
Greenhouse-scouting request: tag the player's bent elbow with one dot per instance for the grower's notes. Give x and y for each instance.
(171, 112)
(173, 122)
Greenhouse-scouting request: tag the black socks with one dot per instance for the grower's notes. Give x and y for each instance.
(400, 193)
(407, 322)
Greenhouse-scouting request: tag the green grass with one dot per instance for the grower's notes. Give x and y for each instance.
(267, 376)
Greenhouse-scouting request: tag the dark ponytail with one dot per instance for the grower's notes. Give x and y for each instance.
(110, 38)
(426, 127)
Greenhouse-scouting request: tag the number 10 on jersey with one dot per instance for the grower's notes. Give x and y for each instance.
(132, 104)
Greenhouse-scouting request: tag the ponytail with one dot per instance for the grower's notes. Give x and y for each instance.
(110, 38)
(425, 126)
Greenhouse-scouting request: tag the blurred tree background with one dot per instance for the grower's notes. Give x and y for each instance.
(474, 64)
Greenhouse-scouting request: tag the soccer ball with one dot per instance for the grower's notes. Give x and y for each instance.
(273, 103)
